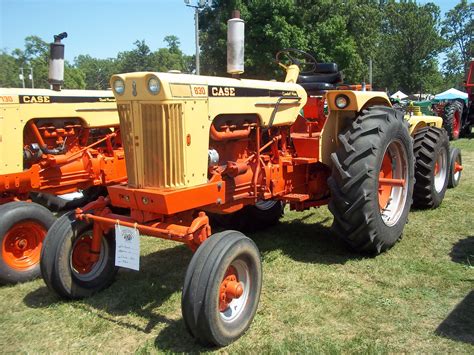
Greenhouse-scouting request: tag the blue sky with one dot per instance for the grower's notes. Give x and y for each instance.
(102, 28)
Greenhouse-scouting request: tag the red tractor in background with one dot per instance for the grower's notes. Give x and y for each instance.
(468, 114)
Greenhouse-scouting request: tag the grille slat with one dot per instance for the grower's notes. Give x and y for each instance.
(155, 153)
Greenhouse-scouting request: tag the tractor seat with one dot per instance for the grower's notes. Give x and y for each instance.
(325, 77)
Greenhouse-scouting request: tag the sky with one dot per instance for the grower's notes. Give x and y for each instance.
(102, 28)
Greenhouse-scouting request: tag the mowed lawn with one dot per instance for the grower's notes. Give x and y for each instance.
(317, 295)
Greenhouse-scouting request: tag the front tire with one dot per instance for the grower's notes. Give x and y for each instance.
(222, 288)
(372, 180)
(65, 264)
(23, 228)
(431, 150)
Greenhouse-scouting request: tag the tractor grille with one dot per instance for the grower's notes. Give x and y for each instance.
(153, 139)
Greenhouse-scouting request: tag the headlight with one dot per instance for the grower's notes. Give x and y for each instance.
(119, 86)
(154, 85)
(342, 101)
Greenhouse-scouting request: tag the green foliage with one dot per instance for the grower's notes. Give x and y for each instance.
(324, 29)
(458, 29)
(9, 69)
(87, 72)
(402, 38)
(410, 43)
(97, 72)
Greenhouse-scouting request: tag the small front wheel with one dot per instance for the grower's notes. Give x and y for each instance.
(455, 167)
(222, 288)
(67, 264)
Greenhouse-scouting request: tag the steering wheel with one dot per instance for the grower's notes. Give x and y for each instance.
(297, 57)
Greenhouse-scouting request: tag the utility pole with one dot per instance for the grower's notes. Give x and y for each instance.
(370, 73)
(22, 77)
(199, 6)
(31, 78)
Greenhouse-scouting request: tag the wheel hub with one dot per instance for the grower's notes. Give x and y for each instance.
(82, 259)
(22, 244)
(230, 289)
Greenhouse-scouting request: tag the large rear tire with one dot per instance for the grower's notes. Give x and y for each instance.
(455, 167)
(65, 264)
(372, 180)
(431, 148)
(452, 119)
(222, 288)
(23, 228)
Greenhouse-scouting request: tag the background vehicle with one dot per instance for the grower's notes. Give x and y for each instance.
(59, 148)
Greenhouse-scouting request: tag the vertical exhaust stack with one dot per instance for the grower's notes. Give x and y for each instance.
(235, 44)
(56, 62)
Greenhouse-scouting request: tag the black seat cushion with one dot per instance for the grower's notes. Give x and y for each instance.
(332, 78)
(326, 68)
(317, 88)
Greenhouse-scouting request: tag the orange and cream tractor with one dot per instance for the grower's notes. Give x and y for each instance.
(58, 148)
(199, 145)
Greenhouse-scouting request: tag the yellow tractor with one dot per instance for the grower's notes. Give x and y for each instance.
(58, 148)
(199, 145)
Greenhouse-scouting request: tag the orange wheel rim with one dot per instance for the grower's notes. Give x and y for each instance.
(386, 172)
(21, 247)
(81, 255)
(392, 183)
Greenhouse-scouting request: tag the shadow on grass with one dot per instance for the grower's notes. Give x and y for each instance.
(305, 242)
(463, 251)
(459, 325)
(162, 275)
(138, 294)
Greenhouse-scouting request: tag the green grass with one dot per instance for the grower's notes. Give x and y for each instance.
(317, 295)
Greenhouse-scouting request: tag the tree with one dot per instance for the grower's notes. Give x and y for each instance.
(410, 42)
(9, 70)
(74, 78)
(458, 29)
(342, 31)
(97, 72)
(173, 44)
(138, 59)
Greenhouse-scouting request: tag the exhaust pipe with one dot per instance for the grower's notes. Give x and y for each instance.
(235, 44)
(56, 62)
